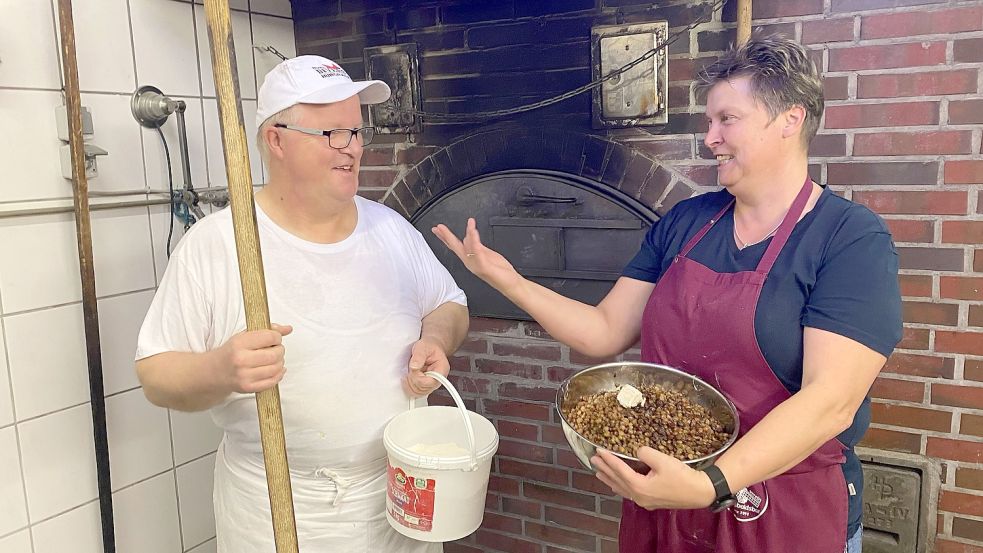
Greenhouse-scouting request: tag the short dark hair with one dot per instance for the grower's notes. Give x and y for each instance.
(781, 76)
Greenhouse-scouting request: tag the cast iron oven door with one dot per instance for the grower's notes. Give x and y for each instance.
(565, 232)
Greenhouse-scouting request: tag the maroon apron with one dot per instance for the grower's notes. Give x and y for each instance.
(702, 322)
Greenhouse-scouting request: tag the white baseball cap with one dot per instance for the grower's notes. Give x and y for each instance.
(312, 80)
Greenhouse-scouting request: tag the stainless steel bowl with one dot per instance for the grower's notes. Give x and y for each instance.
(610, 376)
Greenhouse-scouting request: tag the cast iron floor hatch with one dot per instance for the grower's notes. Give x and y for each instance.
(565, 232)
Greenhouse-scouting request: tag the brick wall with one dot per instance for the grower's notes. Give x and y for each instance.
(901, 135)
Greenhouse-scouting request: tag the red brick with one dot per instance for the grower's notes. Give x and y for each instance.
(481, 325)
(969, 478)
(946, 546)
(953, 395)
(969, 50)
(887, 172)
(978, 256)
(474, 345)
(976, 315)
(828, 145)
(900, 390)
(379, 178)
(517, 409)
(785, 8)
(688, 68)
(887, 56)
(930, 366)
(931, 313)
(959, 342)
(966, 112)
(502, 523)
(467, 384)
(521, 507)
(931, 259)
(962, 232)
(914, 203)
(553, 434)
(968, 529)
(973, 370)
(559, 536)
(566, 458)
(534, 472)
(903, 143)
(531, 393)
(962, 288)
(535, 351)
(377, 155)
(827, 30)
(503, 485)
(556, 496)
(609, 546)
(911, 417)
(836, 88)
(590, 483)
(703, 175)
(509, 368)
(374, 194)
(911, 230)
(899, 114)
(963, 503)
(932, 83)
(523, 450)
(971, 425)
(518, 430)
(501, 542)
(587, 522)
(412, 155)
(914, 23)
(913, 338)
(665, 149)
(915, 285)
(892, 440)
(458, 547)
(963, 172)
(862, 5)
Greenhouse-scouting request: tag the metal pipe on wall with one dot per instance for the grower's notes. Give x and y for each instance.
(743, 21)
(90, 311)
(250, 264)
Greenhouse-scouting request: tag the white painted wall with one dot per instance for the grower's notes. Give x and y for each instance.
(161, 460)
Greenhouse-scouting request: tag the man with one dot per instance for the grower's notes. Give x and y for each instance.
(365, 295)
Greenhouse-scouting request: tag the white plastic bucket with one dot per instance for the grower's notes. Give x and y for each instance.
(439, 461)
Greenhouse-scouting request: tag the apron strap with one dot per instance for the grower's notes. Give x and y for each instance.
(785, 229)
(706, 228)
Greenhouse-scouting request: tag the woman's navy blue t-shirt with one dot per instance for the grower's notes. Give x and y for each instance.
(837, 272)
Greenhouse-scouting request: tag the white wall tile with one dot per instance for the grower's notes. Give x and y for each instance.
(48, 368)
(164, 41)
(213, 140)
(102, 45)
(6, 400)
(207, 547)
(21, 543)
(146, 517)
(243, 40)
(273, 7)
(161, 221)
(276, 32)
(13, 510)
(30, 158)
(194, 491)
(139, 438)
(30, 249)
(30, 50)
(195, 434)
(156, 160)
(59, 461)
(78, 531)
(120, 318)
(121, 251)
(117, 132)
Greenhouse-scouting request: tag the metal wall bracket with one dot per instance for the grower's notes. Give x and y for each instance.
(639, 96)
(399, 66)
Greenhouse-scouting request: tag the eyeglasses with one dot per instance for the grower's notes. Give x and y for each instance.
(337, 138)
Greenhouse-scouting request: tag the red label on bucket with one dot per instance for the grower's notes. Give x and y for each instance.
(411, 499)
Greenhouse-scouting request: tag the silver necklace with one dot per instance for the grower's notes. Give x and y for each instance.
(743, 244)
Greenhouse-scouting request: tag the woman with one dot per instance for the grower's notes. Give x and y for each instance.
(774, 289)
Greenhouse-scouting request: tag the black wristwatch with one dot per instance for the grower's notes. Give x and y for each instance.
(724, 496)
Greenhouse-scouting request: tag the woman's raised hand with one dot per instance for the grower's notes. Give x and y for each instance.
(487, 264)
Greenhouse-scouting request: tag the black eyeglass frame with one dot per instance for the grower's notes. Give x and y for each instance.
(367, 134)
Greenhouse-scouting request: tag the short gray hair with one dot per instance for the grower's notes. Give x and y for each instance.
(288, 116)
(781, 76)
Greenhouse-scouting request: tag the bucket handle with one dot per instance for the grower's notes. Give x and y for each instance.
(464, 411)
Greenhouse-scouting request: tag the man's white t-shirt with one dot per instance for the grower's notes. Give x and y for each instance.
(356, 308)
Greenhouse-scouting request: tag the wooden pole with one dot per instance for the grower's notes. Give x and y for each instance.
(90, 311)
(250, 263)
(743, 21)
